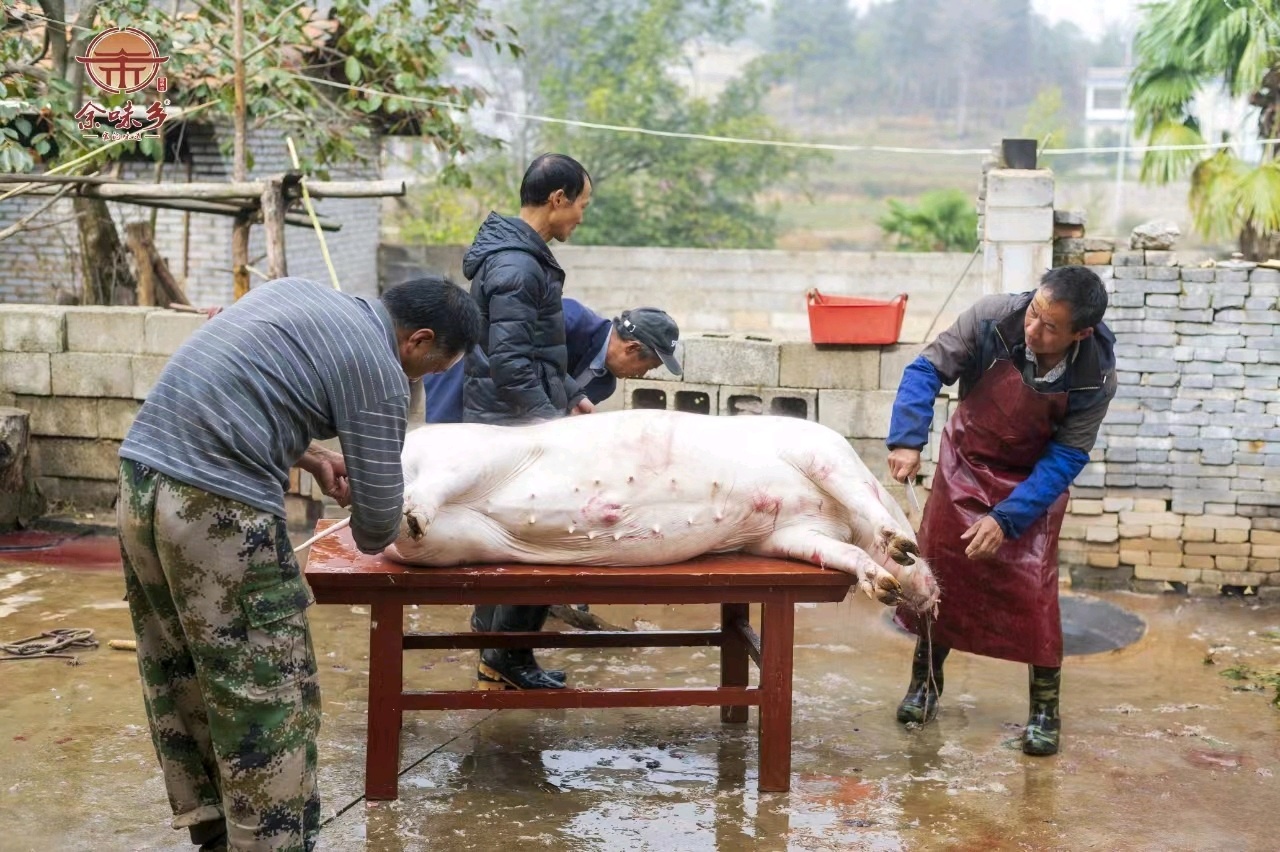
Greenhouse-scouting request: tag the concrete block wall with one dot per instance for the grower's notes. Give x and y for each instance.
(848, 389)
(43, 265)
(82, 373)
(739, 291)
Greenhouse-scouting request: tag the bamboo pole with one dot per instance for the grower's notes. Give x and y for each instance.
(236, 190)
(240, 169)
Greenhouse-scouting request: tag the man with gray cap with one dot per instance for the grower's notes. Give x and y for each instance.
(601, 351)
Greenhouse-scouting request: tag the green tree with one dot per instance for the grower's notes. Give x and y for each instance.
(1182, 46)
(613, 64)
(943, 220)
(297, 64)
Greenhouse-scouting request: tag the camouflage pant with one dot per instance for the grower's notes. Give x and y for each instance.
(228, 671)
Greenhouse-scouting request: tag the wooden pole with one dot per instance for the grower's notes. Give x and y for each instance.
(273, 220)
(233, 191)
(240, 255)
(240, 231)
(136, 237)
(300, 220)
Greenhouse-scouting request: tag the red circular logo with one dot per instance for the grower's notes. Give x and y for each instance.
(122, 60)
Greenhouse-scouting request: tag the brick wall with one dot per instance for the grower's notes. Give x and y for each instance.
(1182, 486)
(42, 265)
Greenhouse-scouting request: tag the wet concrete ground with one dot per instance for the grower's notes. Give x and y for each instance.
(1161, 751)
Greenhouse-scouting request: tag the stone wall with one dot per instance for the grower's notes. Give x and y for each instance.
(42, 265)
(761, 292)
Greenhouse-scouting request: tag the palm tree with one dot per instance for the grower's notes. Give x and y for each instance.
(1182, 46)
(944, 220)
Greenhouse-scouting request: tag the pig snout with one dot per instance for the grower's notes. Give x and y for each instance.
(919, 587)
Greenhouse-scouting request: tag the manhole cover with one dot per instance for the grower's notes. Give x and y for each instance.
(1091, 626)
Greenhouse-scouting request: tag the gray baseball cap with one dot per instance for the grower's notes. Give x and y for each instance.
(655, 329)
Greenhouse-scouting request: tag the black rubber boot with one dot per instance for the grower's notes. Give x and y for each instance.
(920, 704)
(1043, 725)
(210, 835)
(515, 667)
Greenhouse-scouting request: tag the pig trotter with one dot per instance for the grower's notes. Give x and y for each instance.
(899, 548)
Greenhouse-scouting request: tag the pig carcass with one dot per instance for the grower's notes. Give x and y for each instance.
(650, 487)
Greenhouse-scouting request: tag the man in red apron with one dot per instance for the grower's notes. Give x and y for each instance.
(1036, 373)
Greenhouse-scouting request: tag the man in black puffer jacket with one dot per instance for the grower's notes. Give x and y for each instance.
(519, 372)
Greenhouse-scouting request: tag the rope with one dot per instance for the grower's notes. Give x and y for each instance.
(47, 644)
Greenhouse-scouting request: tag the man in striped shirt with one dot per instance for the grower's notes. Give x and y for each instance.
(217, 597)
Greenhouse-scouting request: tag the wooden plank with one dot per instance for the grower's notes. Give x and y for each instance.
(778, 639)
(386, 679)
(561, 699)
(551, 639)
(735, 669)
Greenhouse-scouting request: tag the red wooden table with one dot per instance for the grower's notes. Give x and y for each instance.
(340, 574)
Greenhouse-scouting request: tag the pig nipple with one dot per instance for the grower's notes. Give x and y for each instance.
(571, 529)
(657, 529)
(532, 520)
(617, 536)
(719, 517)
(591, 535)
(630, 479)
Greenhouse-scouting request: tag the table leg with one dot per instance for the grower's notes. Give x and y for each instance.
(777, 641)
(735, 665)
(386, 683)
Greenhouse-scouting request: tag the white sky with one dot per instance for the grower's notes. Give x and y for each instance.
(1091, 16)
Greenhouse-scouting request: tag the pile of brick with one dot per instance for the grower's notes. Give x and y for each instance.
(1182, 486)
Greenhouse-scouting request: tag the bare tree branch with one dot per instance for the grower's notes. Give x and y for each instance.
(22, 224)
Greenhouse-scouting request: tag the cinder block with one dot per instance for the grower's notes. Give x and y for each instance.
(1231, 536)
(168, 330)
(1102, 533)
(25, 373)
(61, 416)
(1020, 188)
(729, 361)
(82, 495)
(1268, 565)
(1172, 575)
(1103, 560)
(33, 328)
(642, 393)
(1152, 257)
(694, 398)
(76, 458)
(803, 365)
(92, 374)
(1019, 224)
(106, 329)
(1197, 560)
(146, 371)
(856, 414)
(1085, 507)
(115, 416)
(791, 402)
(893, 361)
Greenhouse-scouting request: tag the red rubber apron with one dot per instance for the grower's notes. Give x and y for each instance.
(1005, 607)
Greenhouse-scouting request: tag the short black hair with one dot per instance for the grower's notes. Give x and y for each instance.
(548, 173)
(436, 303)
(1082, 289)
